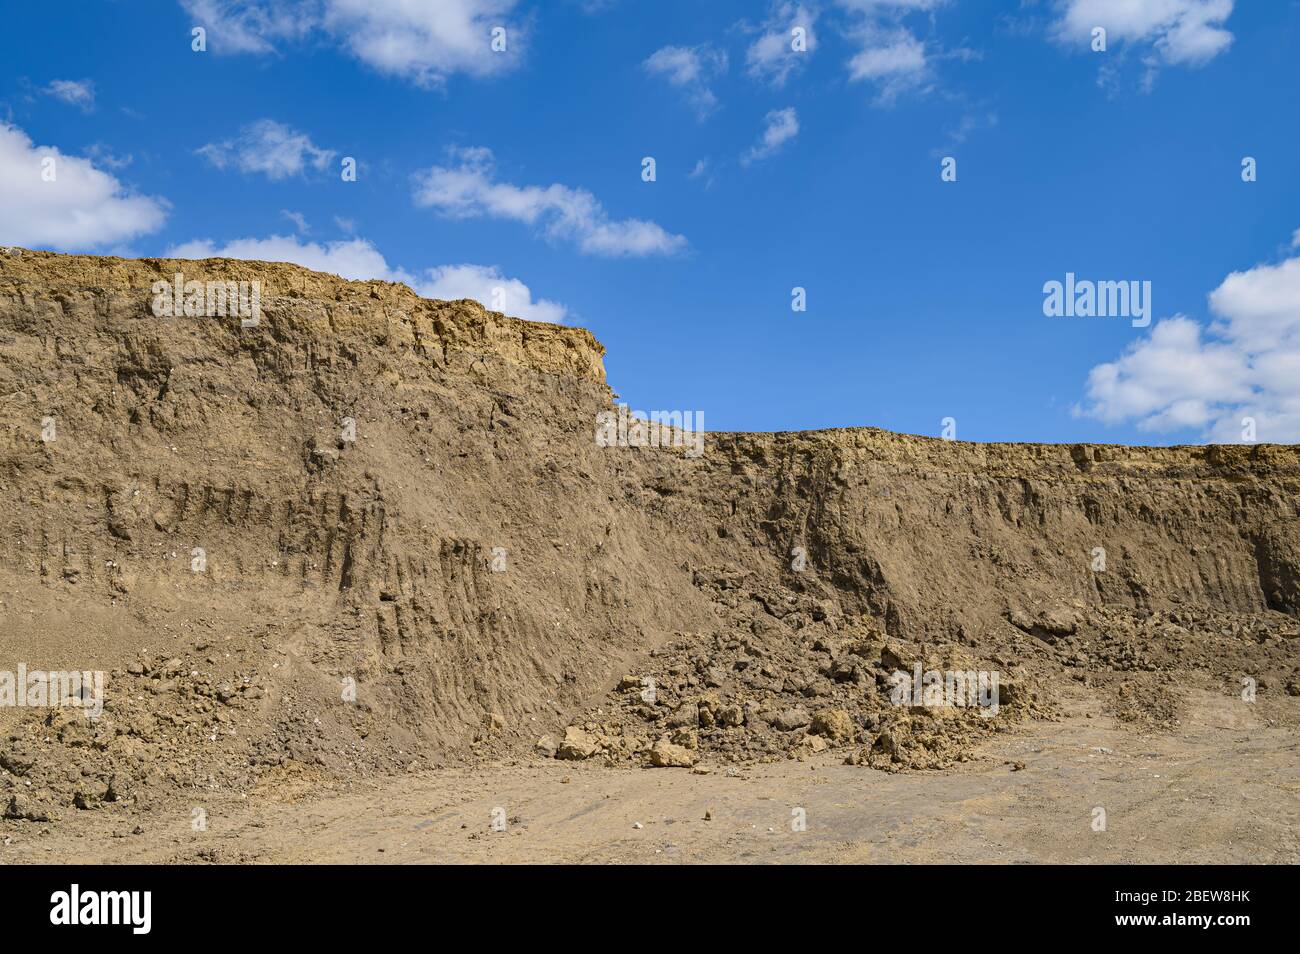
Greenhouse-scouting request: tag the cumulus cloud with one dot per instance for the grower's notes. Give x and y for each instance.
(354, 259)
(486, 284)
(421, 42)
(269, 148)
(1173, 32)
(772, 56)
(470, 189)
(249, 26)
(782, 125)
(358, 259)
(81, 208)
(890, 56)
(425, 42)
(1246, 363)
(892, 59)
(79, 93)
(689, 69)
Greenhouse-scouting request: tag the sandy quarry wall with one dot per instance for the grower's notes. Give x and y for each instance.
(376, 558)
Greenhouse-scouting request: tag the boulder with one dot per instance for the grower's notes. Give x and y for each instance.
(578, 744)
(664, 754)
(834, 724)
(787, 720)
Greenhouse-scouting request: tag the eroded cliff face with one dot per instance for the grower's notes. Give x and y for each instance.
(374, 528)
(346, 469)
(931, 536)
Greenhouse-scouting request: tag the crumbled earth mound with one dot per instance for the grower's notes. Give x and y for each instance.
(794, 684)
(762, 690)
(376, 533)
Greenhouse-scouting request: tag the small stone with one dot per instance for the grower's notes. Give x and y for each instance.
(686, 738)
(730, 716)
(834, 724)
(790, 719)
(21, 808)
(811, 744)
(684, 715)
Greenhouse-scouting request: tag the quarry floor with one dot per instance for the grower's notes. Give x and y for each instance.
(1221, 788)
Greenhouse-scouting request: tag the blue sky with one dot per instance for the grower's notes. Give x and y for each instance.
(776, 168)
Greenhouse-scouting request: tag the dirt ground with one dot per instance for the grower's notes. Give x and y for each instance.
(1220, 789)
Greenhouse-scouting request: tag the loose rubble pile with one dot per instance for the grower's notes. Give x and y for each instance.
(790, 686)
(171, 725)
(1142, 662)
(811, 680)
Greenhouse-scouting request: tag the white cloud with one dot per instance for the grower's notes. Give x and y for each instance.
(1245, 364)
(357, 259)
(249, 26)
(79, 93)
(973, 119)
(469, 189)
(102, 155)
(421, 42)
(1179, 32)
(270, 148)
(896, 54)
(486, 284)
(1260, 308)
(890, 55)
(702, 172)
(690, 69)
(82, 208)
(298, 219)
(877, 6)
(425, 42)
(772, 56)
(782, 126)
(893, 59)
(354, 259)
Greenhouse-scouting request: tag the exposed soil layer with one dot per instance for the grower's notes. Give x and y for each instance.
(375, 536)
